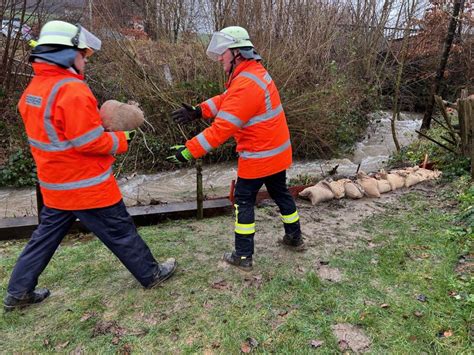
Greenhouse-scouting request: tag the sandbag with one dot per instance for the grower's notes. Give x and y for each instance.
(370, 187)
(337, 188)
(396, 181)
(353, 190)
(412, 179)
(427, 174)
(383, 186)
(424, 174)
(369, 184)
(118, 116)
(317, 193)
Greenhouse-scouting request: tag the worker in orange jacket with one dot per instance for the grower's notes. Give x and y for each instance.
(74, 157)
(249, 110)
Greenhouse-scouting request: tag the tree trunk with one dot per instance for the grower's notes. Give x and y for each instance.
(425, 125)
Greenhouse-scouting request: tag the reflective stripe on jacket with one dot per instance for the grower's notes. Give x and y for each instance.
(73, 154)
(250, 110)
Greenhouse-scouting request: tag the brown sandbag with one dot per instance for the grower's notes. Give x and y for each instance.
(318, 193)
(396, 181)
(383, 186)
(412, 179)
(427, 174)
(369, 184)
(337, 188)
(382, 183)
(118, 116)
(353, 190)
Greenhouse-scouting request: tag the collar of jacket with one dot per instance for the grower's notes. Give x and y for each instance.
(46, 69)
(242, 66)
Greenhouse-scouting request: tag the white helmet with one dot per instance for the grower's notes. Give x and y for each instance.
(67, 34)
(229, 37)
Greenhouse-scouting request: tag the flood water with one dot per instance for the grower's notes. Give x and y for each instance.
(371, 152)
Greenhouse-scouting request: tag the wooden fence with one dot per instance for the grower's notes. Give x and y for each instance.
(466, 125)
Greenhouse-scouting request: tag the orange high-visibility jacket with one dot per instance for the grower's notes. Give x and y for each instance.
(73, 154)
(250, 110)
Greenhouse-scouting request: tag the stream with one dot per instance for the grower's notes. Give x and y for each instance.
(372, 152)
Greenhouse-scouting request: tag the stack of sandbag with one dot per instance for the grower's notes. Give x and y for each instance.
(414, 175)
(366, 185)
(118, 116)
(423, 175)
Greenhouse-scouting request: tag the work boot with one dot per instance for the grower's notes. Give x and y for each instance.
(10, 302)
(293, 243)
(166, 271)
(242, 262)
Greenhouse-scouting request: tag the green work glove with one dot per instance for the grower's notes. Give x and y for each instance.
(182, 155)
(130, 134)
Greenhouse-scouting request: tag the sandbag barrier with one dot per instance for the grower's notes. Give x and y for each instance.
(364, 185)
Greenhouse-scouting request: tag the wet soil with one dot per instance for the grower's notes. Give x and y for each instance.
(329, 228)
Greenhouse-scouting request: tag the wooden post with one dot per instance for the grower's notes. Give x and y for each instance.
(199, 190)
(39, 201)
(232, 189)
(466, 124)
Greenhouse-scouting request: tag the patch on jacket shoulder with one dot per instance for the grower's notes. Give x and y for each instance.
(35, 101)
(267, 78)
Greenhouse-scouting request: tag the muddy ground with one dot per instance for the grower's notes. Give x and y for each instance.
(329, 228)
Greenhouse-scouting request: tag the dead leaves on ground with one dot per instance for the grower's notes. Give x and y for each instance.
(254, 281)
(221, 284)
(316, 343)
(445, 333)
(112, 327)
(248, 345)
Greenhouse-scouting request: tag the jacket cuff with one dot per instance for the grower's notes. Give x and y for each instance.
(122, 144)
(195, 148)
(208, 109)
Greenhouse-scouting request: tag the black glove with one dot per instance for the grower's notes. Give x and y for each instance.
(186, 114)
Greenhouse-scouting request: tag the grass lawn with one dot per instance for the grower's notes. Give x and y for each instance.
(401, 290)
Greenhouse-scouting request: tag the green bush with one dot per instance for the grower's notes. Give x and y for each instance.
(19, 171)
(466, 199)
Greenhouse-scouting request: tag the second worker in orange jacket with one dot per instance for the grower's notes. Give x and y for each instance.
(249, 110)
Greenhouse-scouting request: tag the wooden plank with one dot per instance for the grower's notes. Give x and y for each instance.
(18, 228)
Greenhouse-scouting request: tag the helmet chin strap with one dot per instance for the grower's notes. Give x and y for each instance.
(232, 62)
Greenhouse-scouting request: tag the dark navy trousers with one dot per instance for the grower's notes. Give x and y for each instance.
(245, 195)
(114, 227)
